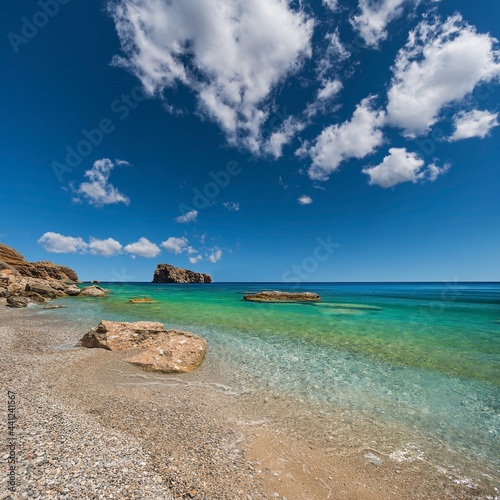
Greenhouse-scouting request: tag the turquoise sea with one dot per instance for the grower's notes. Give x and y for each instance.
(423, 356)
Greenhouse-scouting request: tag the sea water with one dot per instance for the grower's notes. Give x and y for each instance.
(424, 356)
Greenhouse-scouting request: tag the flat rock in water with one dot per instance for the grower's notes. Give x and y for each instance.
(163, 350)
(54, 306)
(283, 297)
(141, 301)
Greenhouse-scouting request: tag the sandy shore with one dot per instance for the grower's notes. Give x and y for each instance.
(89, 425)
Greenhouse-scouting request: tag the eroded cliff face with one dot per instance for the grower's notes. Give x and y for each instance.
(166, 273)
(11, 259)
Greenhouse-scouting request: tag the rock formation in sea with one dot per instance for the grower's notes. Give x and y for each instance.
(162, 350)
(166, 273)
(283, 297)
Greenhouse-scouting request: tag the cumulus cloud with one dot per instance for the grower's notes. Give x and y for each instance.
(195, 259)
(216, 255)
(143, 247)
(57, 243)
(231, 54)
(175, 245)
(187, 217)
(330, 88)
(104, 248)
(231, 206)
(374, 17)
(304, 200)
(402, 166)
(474, 123)
(355, 138)
(332, 56)
(98, 191)
(441, 64)
(284, 135)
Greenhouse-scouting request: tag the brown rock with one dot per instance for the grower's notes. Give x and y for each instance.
(166, 273)
(42, 270)
(117, 336)
(34, 297)
(16, 301)
(176, 352)
(72, 290)
(40, 287)
(92, 291)
(163, 350)
(283, 297)
(141, 301)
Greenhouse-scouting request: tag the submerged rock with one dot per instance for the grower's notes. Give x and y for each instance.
(283, 297)
(166, 273)
(54, 306)
(141, 301)
(163, 350)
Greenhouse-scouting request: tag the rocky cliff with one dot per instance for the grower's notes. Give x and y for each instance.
(15, 262)
(166, 273)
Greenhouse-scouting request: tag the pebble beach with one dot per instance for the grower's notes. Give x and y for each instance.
(88, 425)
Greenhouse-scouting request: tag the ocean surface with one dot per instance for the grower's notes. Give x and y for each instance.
(421, 356)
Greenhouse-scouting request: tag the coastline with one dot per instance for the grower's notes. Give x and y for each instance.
(190, 436)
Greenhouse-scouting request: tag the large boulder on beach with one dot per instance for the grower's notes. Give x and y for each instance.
(162, 350)
(17, 301)
(92, 291)
(175, 351)
(120, 336)
(41, 287)
(166, 273)
(283, 297)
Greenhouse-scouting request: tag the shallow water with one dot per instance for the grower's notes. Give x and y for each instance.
(423, 356)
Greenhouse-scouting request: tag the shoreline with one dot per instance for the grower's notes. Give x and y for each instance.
(197, 438)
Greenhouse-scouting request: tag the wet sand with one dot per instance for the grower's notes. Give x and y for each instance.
(187, 436)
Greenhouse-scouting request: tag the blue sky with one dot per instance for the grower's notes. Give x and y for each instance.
(259, 140)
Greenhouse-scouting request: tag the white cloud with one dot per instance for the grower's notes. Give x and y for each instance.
(334, 54)
(474, 123)
(231, 54)
(215, 255)
(330, 88)
(305, 200)
(194, 260)
(402, 166)
(188, 217)
(288, 130)
(331, 4)
(175, 245)
(104, 248)
(143, 247)
(57, 243)
(355, 138)
(433, 171)
(99, 191)
(375, 16)
(441, 64)
(231, 206)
